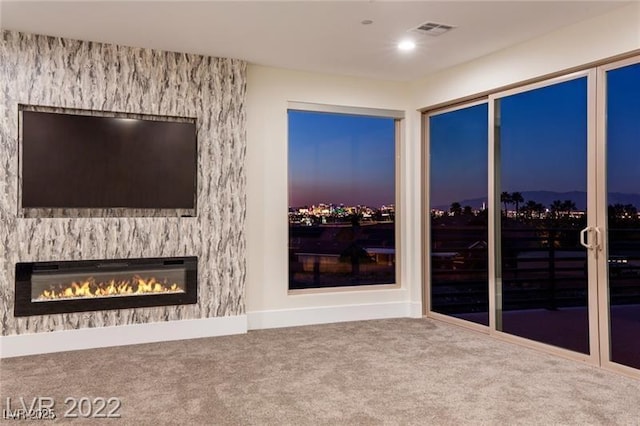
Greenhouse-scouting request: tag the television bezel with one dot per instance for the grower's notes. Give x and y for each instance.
(44, 212)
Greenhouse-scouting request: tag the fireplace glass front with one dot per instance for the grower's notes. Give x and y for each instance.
(70, 286)
(50, 287)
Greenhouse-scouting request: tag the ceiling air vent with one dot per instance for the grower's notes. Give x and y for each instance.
(433, 28)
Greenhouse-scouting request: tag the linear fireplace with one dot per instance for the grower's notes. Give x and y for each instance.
(89, 285)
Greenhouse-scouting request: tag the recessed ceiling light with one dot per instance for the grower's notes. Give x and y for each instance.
(406, 45)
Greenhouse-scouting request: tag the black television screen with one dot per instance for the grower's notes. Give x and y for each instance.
(82, 161)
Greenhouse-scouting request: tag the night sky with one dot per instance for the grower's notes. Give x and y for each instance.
(543, 141)
(458, 154)
(623, 129)
(336, 158)
(341, 159)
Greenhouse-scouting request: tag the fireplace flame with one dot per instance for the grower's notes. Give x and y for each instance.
(92, 288)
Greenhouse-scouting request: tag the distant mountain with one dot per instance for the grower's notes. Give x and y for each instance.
(548, 197)
(620, 198)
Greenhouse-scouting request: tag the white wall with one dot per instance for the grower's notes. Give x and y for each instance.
(270, 89)
(612, 34)
(268, 92)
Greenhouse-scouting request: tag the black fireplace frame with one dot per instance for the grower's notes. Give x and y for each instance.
(24, 306)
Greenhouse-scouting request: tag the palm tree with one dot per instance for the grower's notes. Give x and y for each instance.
(516, 198)
(530, 208)
(556, 207)
(505, 198)
(568, 206)
(455, 209)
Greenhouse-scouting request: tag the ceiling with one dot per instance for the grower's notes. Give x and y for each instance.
(319, 36)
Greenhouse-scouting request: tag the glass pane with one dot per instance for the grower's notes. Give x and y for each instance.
(47, 287)
(458, 199)
(341, 200)
(543, 169)
(623, 198)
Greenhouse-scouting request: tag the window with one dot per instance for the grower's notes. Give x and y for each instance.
(458, 213)
(623, 203)
(342, 199)
(560, 269)
(543, 140)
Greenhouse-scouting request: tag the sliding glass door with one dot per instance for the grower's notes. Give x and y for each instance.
(533, 220)
(620, 144)
(542, 139)
(457, 219)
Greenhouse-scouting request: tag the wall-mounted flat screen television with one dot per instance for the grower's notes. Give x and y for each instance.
(84, 161)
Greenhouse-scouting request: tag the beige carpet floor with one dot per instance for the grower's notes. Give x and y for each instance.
(383, 372)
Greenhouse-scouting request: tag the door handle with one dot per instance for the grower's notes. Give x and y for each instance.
(583, 240)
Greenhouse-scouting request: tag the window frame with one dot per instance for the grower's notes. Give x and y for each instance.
(599, 321)
(399, 123)
(495, 223)
(426, 214)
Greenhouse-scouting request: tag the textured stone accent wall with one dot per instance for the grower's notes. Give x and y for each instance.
(56, 72)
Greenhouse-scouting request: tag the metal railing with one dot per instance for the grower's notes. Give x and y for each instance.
(541, 268)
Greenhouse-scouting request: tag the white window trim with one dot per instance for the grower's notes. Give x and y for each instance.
(398, 116)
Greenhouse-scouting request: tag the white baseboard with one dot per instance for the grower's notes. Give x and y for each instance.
(327, 314)
(89, 338)
(415, 310)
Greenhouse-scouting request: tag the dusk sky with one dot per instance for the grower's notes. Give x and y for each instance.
(350, 159)
(623, 129)
(341, 159)
(458, 155)
(544, 141)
